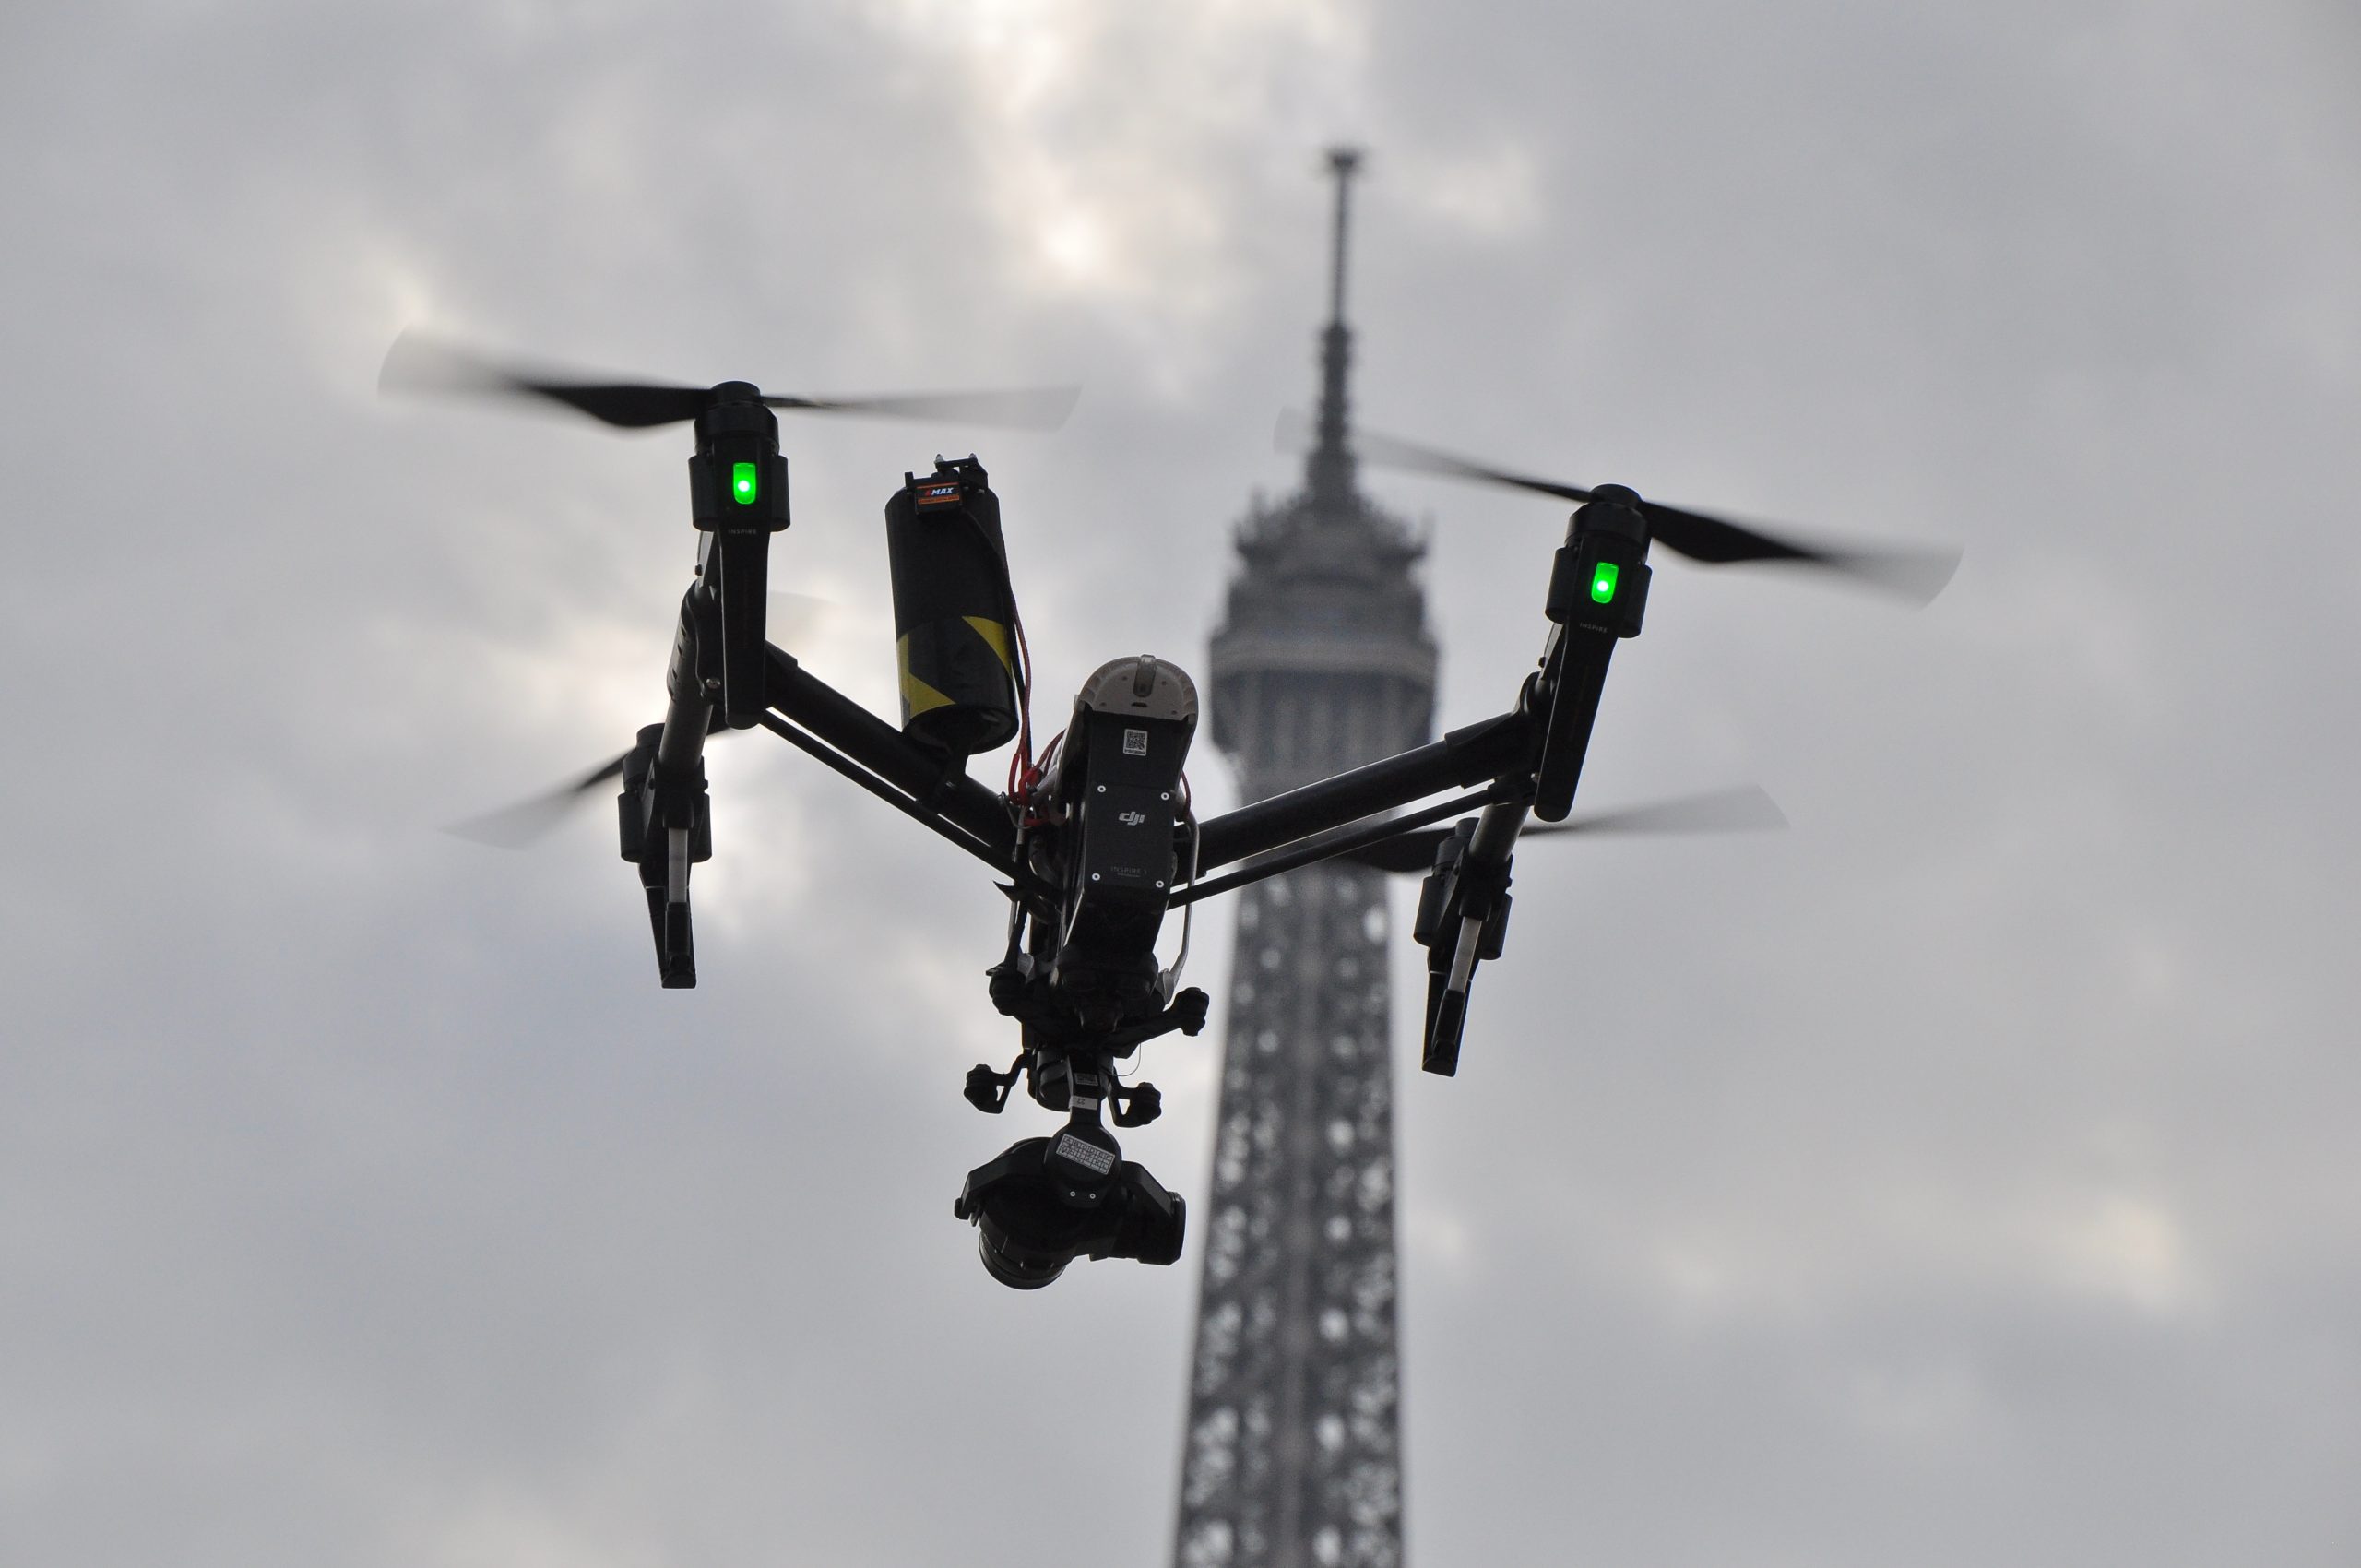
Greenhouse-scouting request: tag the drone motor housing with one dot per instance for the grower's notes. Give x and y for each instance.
(1599, 581)
(954, 612)
(738, 477)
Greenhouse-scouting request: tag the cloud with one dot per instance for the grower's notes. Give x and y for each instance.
(1963, 1176)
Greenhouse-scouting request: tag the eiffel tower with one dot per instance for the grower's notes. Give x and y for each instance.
(1293, 1453)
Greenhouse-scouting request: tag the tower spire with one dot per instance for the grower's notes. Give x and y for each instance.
(1293, 1457)
(1329, 473)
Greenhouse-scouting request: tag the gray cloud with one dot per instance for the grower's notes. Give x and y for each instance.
(1963, 1177)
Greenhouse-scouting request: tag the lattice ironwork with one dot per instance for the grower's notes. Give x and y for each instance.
(1292, 1457)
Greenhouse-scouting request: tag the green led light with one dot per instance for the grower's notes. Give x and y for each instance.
(742, 482)
(1602, 582)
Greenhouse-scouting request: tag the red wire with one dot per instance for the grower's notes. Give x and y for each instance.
(1020, 762)
(1031, 785)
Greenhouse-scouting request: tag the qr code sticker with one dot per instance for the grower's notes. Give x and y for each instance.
(1135, 743)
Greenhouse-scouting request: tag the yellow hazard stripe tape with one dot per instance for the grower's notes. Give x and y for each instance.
(916, 695)
(995, 636)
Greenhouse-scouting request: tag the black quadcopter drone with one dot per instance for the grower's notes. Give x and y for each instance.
(1094, 840)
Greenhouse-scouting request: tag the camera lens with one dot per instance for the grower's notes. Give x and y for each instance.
(1016, 1267)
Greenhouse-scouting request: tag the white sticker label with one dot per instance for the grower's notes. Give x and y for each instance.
(1135, 743)
(1089, 1156)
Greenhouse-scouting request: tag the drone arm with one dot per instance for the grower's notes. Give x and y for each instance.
(1493, 749)
(835, 761)
(1343, 841)
(936, 789)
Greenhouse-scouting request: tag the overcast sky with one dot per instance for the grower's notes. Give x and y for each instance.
(1967, 1176)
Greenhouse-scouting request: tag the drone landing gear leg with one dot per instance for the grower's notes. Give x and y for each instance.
(1464, 919)
(664, 814)
(667, 918)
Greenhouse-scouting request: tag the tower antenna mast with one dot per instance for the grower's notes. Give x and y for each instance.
(1329, 470)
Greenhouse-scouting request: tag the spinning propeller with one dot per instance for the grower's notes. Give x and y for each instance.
(1746, 809)
(1914, 574)
(535, 817)
(513, 827)
(421, 363)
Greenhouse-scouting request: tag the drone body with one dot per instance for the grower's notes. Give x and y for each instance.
(1094, 842)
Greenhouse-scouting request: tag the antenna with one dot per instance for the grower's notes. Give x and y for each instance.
(1329, 472)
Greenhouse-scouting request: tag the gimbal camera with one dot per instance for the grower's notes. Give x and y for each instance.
(1094, 841)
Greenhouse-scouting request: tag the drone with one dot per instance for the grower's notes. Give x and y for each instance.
(1094, 839)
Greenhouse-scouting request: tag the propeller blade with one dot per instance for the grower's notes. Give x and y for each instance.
(513, 827)
(421, 363)
(1746, 809)
(791, 615)
(1916, 574)
(1032, 407)
(418, 363)
(1392, 452)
